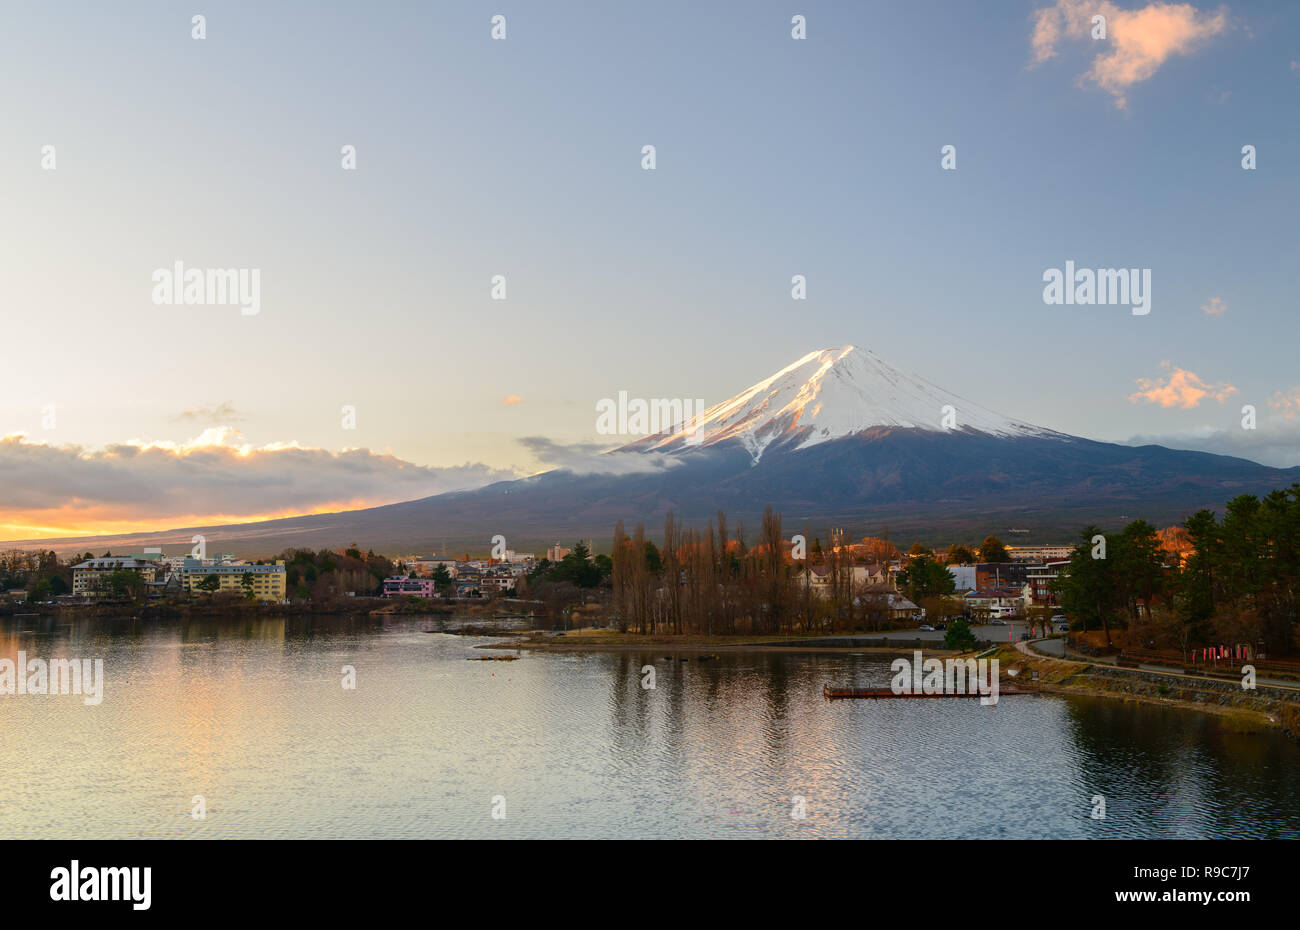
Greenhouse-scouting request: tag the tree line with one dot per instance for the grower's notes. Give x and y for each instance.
(1219, 582)
(719, 581)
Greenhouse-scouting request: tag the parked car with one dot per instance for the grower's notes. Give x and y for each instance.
(997, 622)
(925, 627)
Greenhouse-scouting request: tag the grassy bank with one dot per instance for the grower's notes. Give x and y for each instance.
(1239, 711)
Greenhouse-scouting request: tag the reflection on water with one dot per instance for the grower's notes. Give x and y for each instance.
(252, 716)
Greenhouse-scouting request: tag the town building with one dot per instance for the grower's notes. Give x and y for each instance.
(895, 606)
(1039, 554)
(427, 566)
(557, 552)
(267, 582)
(856, 577)
(497, 580)
(404, 585)
(1001, 574)
(165, 585)
(91, 576)
(175, 564)
(872, 573)
(468, 582)
(995, 602)
(963, 578)
(1040, 580)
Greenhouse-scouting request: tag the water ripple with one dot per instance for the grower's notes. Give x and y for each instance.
(256, 721)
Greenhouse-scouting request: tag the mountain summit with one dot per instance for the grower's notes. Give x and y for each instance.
(830, 394)
(837, 439)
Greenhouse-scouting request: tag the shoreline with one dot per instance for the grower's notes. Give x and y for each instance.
(1268, 709)
(602, 641)
(706, 648)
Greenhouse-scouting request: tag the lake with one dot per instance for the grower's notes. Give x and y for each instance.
(253, 717)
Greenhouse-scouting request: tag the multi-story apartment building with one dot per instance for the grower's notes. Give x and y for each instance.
(557, 552)
(1039, 554)
(1001, 574)
(175, 564)
(1040, 579)
(497, 580)
(89, 577)
(268, 582)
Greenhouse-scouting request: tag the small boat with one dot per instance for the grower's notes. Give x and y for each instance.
(836, 693)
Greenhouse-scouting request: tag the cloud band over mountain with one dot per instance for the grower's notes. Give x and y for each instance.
(57, 489)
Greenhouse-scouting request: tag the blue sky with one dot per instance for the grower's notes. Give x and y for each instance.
(523, 158)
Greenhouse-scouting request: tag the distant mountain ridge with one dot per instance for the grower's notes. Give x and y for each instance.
(837, 439)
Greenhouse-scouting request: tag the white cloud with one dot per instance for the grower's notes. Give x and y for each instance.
(1273, 443)
(214, 473)
(586, 458)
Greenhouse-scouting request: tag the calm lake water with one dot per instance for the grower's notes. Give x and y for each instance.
(253, 717)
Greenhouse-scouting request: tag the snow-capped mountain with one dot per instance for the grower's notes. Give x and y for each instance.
(837, 439)
(830, 394)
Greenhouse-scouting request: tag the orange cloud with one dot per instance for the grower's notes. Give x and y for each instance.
(1181, 389)
(513, 399)
(1137, 41)
(1216, 307)
(1287, 402)
(88, 519)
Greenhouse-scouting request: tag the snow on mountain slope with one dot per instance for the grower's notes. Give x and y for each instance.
(829, 394)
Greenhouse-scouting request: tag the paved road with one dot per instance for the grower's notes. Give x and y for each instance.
(1048, 647)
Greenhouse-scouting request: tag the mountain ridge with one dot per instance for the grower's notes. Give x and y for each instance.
(838, 438)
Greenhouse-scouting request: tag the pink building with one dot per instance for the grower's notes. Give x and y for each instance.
(402, 585)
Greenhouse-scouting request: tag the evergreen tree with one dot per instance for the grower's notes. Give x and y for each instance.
(992, 550)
